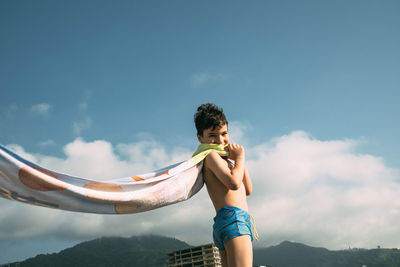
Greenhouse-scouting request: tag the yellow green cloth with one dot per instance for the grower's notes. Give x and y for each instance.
(204, 149)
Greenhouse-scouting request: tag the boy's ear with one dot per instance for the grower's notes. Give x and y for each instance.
(199, 137)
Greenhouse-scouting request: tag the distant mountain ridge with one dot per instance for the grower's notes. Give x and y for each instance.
(110, 251)
(290, 254)
(151, 251)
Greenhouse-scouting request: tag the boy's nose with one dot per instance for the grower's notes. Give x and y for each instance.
(220, 140)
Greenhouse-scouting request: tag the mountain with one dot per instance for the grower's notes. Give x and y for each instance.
(290, 254)
(146, 251)
(151, 251)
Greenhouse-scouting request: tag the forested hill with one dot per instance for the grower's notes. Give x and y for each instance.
(289, 254)
(151, 251)
(138, 251)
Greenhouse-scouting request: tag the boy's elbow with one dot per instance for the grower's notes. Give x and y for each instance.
(234, 186)
(248, 191)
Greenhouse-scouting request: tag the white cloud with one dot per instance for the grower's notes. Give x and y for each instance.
(79, 126)
(201, 78)
(42, 109)
(12, 107)
(83, 105)
(319, 192)
(47, 143)
(237, 132)
(8, 111)
(323, 193)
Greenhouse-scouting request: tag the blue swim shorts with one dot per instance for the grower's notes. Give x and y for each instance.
(230, 222)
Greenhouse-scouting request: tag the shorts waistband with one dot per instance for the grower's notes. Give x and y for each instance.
(230, 208)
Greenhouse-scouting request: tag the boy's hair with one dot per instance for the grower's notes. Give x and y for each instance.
(209, 116)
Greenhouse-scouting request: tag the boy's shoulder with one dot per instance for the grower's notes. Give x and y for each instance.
(215, 160)
(214, 156)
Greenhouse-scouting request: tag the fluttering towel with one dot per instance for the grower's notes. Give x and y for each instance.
(24, 181)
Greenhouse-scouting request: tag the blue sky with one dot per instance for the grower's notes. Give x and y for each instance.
(128, 71)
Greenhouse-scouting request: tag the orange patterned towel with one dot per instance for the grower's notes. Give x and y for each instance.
(27, 182)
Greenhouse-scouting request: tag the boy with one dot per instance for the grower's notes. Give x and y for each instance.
(227, 184)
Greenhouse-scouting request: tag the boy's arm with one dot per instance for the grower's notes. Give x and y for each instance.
(231, 178)
(247, 182)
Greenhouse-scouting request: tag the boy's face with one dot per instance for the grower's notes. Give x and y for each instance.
(217, 136)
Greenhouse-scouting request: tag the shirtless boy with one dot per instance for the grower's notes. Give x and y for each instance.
(228, 184)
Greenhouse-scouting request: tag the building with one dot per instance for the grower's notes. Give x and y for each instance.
(204, 256)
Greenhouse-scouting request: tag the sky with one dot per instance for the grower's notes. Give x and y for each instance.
(310, 88)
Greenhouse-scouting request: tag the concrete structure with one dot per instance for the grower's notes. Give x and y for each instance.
(204, 256)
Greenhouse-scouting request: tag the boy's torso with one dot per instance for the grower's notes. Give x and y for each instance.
(220, 195)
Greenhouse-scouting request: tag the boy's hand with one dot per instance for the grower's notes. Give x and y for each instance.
(235, 151)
